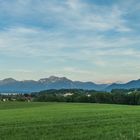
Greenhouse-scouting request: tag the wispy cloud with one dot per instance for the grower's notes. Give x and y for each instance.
(74, 37)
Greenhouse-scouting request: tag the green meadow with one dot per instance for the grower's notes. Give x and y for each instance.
(68, 121)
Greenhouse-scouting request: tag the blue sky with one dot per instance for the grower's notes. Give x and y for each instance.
(88, 40)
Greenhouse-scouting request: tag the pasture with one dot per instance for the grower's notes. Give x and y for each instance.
(68, 121)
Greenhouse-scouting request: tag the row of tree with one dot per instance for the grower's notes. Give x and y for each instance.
(117, 96)
(131, 97)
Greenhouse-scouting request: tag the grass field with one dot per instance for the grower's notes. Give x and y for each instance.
(68, 121)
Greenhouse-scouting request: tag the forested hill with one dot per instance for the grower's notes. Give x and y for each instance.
(116, 96)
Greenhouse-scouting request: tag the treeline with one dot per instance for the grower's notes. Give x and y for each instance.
(117, 96)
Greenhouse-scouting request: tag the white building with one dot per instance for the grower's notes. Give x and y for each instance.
(68, 94)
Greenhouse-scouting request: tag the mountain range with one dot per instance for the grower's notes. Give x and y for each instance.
(11, 85)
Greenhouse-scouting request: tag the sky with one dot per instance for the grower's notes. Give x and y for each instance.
(87, 40)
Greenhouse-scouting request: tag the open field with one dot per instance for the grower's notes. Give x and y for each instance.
(68, 121)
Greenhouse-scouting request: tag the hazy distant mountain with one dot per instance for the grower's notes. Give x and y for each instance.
(53, 82)
(129, 85)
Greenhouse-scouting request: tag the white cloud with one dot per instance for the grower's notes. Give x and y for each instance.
(78, 34)
(74, 14)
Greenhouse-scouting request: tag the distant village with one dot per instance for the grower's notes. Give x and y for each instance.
(15, 97)
(4, 97)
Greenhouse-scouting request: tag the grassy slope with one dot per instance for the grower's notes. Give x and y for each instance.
(63, 121)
